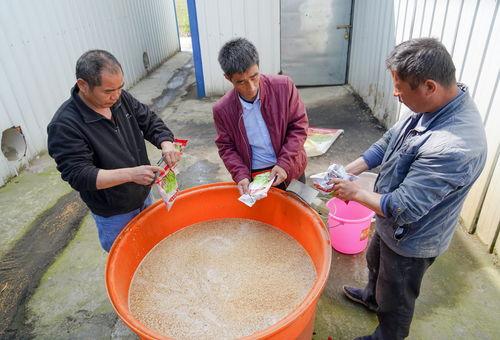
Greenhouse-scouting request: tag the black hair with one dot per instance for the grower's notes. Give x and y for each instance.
(237, 55)
(417, 60)
(91, 64)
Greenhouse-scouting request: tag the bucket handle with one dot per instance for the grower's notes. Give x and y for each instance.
(336, 226)
(334, 210)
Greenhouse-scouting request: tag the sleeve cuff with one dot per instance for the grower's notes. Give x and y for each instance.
(284, 167)
(384, 205)
(239, 178)
(85, 180)
(163, 139)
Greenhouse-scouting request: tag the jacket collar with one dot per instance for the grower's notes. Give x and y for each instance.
(89, 115)
(263, 87)
(429, 118)
(261, 95)
(249, 105)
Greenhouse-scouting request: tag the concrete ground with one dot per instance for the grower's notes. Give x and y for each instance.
(66, 296)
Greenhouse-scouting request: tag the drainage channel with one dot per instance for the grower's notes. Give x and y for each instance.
(22, 267)
(174, 88)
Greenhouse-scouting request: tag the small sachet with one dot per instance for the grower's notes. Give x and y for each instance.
(166, 182)
(257, 189)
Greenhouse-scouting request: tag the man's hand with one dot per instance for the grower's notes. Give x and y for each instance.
(351, 191)
(169, 153)
(243, 186)
(280, 174)
(345, 190)
(144, 174)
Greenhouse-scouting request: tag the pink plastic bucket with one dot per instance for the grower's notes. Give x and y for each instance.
(349, 225)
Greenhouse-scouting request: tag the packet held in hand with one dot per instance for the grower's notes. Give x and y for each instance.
(257, 189)
(321, 180)
(166, 182)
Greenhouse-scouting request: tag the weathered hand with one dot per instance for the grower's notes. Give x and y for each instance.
(280, 174)
(169, 153)
(243, 186)
(345, 190)
(144, 174)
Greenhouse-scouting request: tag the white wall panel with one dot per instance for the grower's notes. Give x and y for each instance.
(222, 20)
(41, 40)
(470, 29)
(488, 223)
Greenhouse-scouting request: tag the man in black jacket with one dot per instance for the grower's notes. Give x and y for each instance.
(97, 138)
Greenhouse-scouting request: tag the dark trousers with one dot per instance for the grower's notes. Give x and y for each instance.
(393, 286)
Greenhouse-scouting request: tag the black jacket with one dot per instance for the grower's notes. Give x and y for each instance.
(81, 141)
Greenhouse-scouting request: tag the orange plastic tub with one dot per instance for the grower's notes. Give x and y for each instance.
(220, 200)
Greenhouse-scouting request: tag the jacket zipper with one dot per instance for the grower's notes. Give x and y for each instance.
(246, 144)
(114, 123)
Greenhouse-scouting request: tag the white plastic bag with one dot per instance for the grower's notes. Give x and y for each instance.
(321, 180)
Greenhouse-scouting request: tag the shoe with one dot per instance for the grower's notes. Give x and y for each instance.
(356, 295)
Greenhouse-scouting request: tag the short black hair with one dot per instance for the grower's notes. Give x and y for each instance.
(91, 64)
(417, 60)
(237, 55)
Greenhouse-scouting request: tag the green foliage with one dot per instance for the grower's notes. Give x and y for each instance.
(182, 18)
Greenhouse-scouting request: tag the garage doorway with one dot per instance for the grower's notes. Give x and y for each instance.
(315, 37)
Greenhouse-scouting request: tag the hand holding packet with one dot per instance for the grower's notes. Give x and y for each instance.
(322, 180)
(257, 189)
(166, 183)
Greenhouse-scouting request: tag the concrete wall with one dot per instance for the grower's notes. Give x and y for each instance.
(41, 40)
(470, 30)
(222, 20)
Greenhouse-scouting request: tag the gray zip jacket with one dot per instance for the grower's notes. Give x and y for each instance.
(427, 169)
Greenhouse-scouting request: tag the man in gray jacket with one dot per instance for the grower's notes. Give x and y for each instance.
(428, 162)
